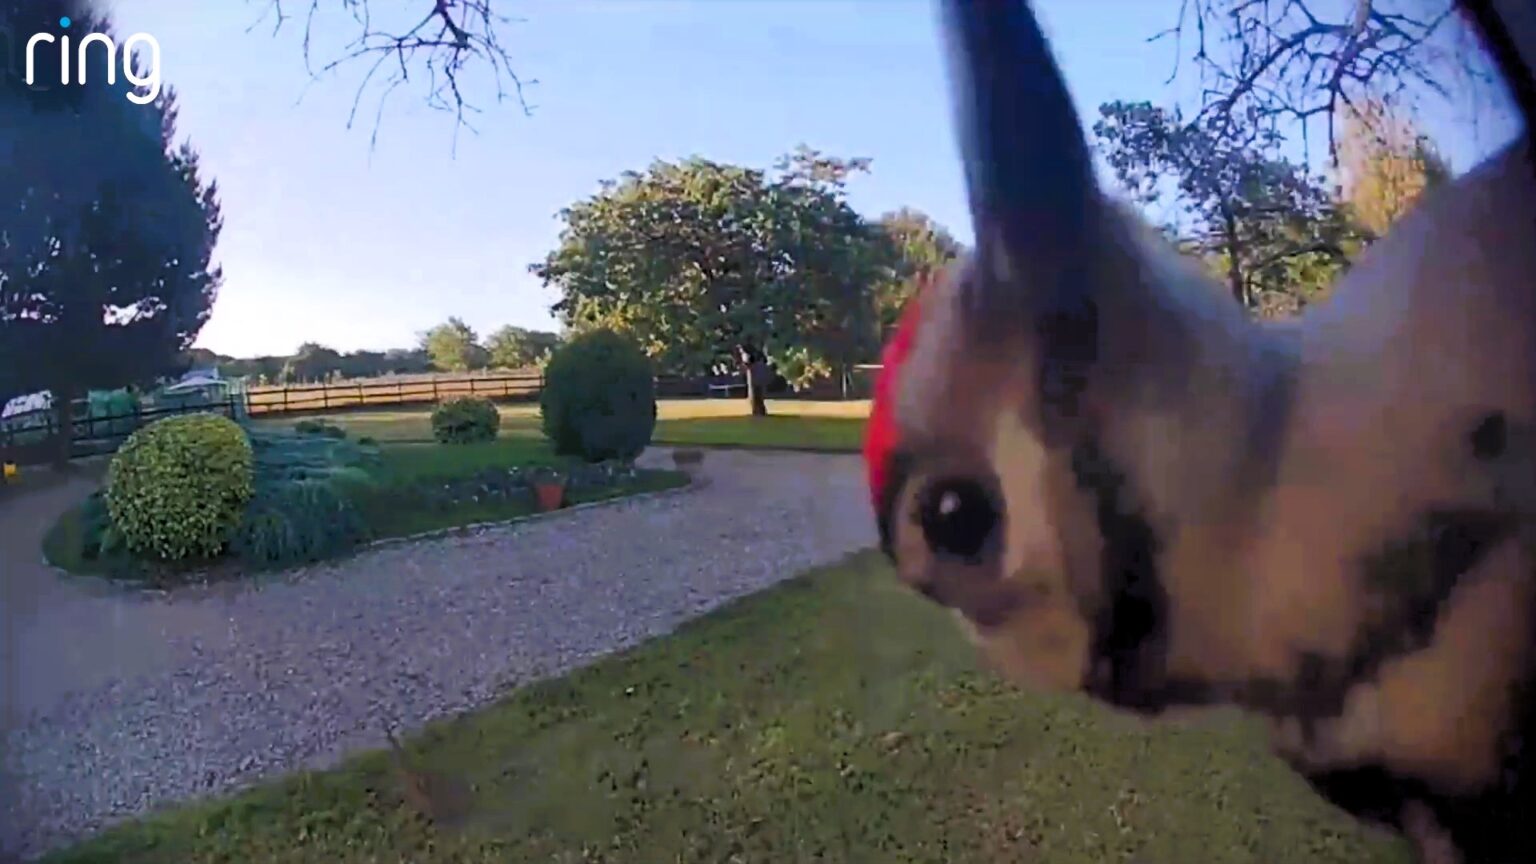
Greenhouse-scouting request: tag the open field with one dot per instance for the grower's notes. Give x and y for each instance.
(773, 731)
(717, 422)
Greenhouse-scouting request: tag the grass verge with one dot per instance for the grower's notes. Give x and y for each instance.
(793, 424)
(772, 731)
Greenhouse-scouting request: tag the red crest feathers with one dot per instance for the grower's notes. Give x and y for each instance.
(880, 436)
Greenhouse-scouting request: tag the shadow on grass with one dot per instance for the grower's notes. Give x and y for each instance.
(834, 718)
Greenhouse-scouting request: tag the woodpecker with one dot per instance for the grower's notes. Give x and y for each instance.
(1121, 484)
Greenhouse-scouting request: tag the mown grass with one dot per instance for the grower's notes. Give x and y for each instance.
(793, 424)
(406, 463)
(773, 731)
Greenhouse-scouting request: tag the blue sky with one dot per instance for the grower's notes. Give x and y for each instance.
(328, 241)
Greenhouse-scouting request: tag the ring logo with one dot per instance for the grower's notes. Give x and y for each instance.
(147, 78)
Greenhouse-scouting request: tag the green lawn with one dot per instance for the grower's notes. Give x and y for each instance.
(402, 463)
(794, 424)
(772, 731)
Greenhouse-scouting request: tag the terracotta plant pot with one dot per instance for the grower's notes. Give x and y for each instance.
(550, 494)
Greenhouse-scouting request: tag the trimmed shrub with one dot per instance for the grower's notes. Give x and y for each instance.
(599, 398)
(305, 506)
(99, 538)
(178, 487)
(84, 539)
(465, 420)
(298, 521)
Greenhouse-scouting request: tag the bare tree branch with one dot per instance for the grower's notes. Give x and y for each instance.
(451, 36)
(1279, 60)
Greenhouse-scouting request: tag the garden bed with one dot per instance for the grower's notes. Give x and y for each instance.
(319, 495)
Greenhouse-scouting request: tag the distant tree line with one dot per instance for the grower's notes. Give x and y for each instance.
(449, 347)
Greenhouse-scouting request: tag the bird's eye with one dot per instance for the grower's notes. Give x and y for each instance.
(959, 517)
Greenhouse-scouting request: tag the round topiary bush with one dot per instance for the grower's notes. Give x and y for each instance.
(599, 398)
(465, 420)
(178, 487)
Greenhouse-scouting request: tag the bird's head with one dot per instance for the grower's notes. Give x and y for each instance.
(1120, 483)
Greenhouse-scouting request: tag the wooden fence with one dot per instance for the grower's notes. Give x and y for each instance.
(30, 438)
(509, 386)
(422, 390)
(383, 392)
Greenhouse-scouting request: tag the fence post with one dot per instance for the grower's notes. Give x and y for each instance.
(435, 397)
(360, 393)
(399, 392)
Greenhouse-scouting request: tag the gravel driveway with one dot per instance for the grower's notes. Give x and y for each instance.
(157, 700)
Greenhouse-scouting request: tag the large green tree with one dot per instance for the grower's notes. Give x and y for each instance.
(712, 266)
(107, 229)
(453, 346)
(919, 246)
(1273, 232)
(519, 348)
